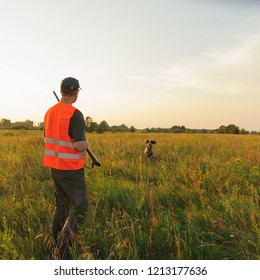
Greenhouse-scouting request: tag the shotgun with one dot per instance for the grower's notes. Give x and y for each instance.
(92, 156)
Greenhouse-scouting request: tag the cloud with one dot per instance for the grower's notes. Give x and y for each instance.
(225, 70)
(241, 53)
(175, 76)
(234, 70)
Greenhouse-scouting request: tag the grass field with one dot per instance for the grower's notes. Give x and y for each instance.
(198, 198)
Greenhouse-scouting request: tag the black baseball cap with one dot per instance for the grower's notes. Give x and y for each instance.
(69, 84)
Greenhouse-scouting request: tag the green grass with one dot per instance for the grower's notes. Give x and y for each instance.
(198, 198)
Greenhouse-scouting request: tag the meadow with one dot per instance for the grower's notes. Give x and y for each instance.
(198, 198)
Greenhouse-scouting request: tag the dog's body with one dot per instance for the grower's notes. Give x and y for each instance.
(148, 151)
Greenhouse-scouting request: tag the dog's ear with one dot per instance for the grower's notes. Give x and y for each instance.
(153, 142)
(147, 141)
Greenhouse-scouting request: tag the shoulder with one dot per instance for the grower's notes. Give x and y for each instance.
(77, 115)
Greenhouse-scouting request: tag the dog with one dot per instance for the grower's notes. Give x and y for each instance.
(148, 151)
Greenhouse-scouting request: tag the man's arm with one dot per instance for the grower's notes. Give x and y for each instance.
(77, 131)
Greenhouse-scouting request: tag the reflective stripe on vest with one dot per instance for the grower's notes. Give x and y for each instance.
(58, 142)
(63, 155)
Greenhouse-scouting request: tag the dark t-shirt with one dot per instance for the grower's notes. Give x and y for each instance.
(77, 127)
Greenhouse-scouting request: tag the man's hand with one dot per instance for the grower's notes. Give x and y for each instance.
(81, 146)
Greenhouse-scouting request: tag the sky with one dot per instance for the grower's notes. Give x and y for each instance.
(146, 63)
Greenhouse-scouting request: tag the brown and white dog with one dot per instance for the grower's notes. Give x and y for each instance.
(148, 151)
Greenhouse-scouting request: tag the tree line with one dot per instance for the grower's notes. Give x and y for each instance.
(103, 126)
(7, 124)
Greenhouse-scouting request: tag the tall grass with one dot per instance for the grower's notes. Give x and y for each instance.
(198, 198)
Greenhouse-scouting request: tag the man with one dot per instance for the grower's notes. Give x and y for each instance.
(65, 144)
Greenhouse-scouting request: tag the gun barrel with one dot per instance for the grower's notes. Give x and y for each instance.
(56, 96)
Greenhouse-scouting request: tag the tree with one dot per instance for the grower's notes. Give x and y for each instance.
(5, 122)
(41, 125)
(119, 128)
(90, 125)
(243, 131)
(178, 129)
(230, 129)
(93, 127)
(28, 123)
(102, 127)
(132, 129)
(221, 129)
(88, 122)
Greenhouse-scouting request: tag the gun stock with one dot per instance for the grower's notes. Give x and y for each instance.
(94, 159)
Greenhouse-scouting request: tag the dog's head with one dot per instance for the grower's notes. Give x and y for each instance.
(150, 143)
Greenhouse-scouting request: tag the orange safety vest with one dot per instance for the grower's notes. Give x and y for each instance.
(60, 152)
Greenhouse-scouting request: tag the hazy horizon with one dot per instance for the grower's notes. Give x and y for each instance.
(36, 123)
